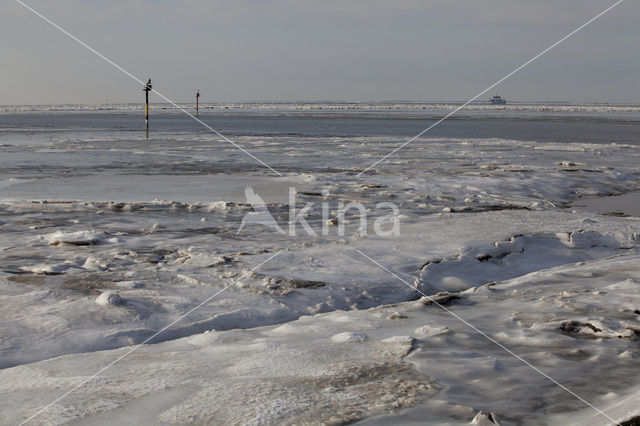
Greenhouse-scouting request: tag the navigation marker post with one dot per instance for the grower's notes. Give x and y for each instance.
(197, 103)
(146, 90)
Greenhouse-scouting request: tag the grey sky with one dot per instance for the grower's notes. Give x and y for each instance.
(356, 50)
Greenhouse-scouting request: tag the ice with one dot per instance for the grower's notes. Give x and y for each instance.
(516, 256)
(77, 238)
(401, 340)
(213, 191)
(622, 205)
(109, 297)
(130, 284)
(107, 237)
(467, 369)
(349, 337)
(485, 419)
(337, 107)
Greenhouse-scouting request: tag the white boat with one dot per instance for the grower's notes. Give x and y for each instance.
(497, 100)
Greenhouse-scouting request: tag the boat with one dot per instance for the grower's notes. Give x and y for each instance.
(497, 100)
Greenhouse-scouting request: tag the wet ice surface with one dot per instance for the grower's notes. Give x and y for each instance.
(106, 237)
(626, 204)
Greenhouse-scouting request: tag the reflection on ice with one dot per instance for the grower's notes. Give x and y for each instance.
(626, 204)
(148, 188)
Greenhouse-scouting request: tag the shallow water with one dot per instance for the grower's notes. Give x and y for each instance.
(625, 204)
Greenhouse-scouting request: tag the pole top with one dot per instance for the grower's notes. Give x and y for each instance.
(148, 86)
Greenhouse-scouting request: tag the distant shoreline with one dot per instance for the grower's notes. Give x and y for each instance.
(335, 106)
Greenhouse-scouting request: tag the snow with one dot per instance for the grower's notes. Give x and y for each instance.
(285, 373)
(77, 238)
(130, 284)
(109, 297)
(104, 242)
(349, 337)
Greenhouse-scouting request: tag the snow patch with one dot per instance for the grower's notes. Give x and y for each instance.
(76, 238)
(349, 337)
(130, 284)
(405, 340)
(109, 297)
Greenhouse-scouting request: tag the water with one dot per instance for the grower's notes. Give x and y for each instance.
(588, 126)
(626, 204)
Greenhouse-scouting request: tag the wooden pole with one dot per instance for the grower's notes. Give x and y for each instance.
(147, 89)
(198, 103)
(146, 110)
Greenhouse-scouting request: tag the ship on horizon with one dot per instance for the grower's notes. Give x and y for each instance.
(497, 100)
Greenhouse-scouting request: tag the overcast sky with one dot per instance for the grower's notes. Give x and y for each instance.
(348, 50)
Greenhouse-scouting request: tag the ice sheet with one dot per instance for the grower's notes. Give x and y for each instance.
(106, 237)
(348, 366)
(148, 188)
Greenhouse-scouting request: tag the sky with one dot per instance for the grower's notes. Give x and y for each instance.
(319, 50)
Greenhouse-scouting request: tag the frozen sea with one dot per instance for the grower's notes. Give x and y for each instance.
(508, 217)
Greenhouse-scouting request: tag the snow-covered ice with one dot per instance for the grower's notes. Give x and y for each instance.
(106, 238)
(346, 366)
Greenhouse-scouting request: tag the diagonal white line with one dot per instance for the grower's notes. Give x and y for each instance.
(572, 33)
(138, 346)
(127, 73)
(476, 329)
